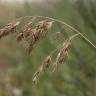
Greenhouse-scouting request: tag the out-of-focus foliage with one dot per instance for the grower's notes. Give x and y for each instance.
(76, 78)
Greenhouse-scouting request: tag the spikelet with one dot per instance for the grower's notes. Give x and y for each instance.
(32, 39)
(56, 35)
(19, 37)
(45, 65)
(38, 33)
(42, 27)
(27, 28)
(25, 31)
(9, 28)
(62, 55)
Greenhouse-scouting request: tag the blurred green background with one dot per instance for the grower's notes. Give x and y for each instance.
(75, 78)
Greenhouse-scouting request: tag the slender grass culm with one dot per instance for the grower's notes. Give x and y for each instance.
(33, 33)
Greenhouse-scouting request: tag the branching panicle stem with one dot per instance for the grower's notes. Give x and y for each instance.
(64, 23)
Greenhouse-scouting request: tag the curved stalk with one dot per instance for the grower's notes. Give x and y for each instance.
(64, 23)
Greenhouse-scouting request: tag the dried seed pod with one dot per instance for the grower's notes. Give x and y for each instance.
(9, 28)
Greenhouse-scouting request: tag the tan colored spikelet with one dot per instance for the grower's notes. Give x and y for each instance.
(63, 52)
(28, 27)
(19, 37)
(39, 32)
(32, 38)
(36, 77)
(29, 48)
(42, 27)
(9, 28)
(56, 35)
(62, 55)
(25, 31)
(45, 65)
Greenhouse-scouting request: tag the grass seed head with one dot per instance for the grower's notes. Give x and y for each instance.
(9, 28)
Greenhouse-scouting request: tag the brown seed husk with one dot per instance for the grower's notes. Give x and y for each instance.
(39, 32)
(9, 28)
